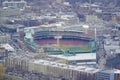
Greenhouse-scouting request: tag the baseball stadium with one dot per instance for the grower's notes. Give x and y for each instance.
(59, 41)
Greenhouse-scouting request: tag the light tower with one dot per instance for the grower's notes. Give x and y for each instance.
(58, 39)
(86, 27)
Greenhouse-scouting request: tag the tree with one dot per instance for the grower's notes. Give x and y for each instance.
(1, 71)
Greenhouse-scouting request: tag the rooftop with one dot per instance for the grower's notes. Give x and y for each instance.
(81, 56)
(8, 47)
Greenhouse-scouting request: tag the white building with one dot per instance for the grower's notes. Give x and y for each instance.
(7, 47)
(80, 59)
(14, 4)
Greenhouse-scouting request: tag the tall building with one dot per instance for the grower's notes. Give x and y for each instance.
(0, 2)
(59, 1)
(15, 4)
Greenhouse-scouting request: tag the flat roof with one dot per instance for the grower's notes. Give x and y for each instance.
(108, 71)
(81, 56)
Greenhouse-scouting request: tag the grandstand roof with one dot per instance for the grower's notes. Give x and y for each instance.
(77, 27)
